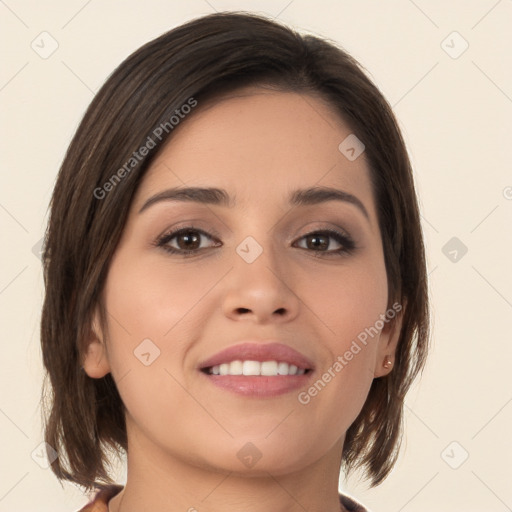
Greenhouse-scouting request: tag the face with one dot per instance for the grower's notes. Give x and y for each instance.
(260, 271)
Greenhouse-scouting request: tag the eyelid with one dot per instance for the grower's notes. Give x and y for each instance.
(190, 224)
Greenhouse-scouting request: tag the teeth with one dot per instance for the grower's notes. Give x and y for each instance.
(266, 368)
(269, 368)
(251, 368)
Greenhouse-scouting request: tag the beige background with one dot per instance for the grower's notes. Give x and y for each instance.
(456, 117)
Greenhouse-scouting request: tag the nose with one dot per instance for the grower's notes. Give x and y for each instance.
(261, 291)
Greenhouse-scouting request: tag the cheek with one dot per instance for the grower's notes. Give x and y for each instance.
(152, 300)
(350, 299)
(155, 312)
(349, 307)
(149, 327)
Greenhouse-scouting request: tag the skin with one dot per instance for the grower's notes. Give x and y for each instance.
(183, 432)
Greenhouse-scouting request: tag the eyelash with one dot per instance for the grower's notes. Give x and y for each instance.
(348, 245)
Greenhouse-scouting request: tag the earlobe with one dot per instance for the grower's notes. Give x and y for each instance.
(388, 343)
(95, 362)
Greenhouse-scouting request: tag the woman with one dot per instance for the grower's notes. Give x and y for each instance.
(236, 290)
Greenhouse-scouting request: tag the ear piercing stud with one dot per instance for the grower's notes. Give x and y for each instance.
(387, 363)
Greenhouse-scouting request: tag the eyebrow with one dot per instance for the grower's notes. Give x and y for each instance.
(220, 197)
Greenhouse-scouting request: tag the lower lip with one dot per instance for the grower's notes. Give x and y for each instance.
(259, 385)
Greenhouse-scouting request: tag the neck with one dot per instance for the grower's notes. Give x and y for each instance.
(169, 484)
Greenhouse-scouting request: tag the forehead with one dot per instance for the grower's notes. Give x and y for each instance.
(259, 143)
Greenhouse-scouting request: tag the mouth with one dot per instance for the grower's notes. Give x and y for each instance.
(258, 370)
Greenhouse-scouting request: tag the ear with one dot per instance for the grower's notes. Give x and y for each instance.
(388, 340)
(95, 362)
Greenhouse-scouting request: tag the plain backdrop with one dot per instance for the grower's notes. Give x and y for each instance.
(446, 68)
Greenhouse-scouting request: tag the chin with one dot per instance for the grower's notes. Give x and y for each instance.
(258, 456)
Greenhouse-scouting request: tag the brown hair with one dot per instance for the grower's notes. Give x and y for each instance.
(203, 58)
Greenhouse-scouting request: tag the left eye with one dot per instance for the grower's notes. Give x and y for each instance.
(319, 241)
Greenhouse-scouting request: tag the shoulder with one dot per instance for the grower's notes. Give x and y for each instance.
(351, 504)
(99, 503)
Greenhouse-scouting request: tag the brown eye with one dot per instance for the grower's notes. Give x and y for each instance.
(320, 241)
(184, 241)
(317, 241)
(188, 240)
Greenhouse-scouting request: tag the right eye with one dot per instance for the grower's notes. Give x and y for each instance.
(186, 239)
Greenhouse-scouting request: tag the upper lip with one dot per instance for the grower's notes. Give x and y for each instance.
(251, 351)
